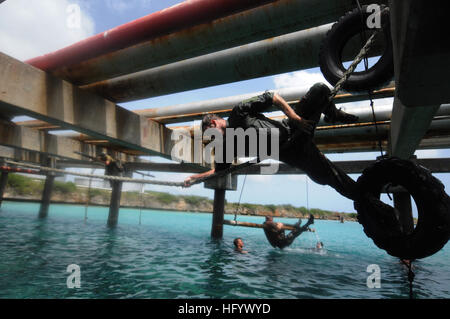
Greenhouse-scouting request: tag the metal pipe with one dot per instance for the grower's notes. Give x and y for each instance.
(286, 53)
(270, 20)
(195, 110)
(177, 17)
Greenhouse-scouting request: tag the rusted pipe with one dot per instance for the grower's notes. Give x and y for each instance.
(177, 17)
(269, 20)
(286, 53)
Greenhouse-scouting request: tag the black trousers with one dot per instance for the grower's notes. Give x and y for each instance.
(301, 151)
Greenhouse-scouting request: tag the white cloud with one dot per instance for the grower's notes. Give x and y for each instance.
(124, 5)
(32, 28)
(298, 78)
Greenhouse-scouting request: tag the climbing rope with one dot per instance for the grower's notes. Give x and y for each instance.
(224, 172)
(240, 197)
(88, 197)
(142, 203)
(366, 67)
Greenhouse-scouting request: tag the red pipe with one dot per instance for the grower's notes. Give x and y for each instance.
(177, 17)
(19, 170)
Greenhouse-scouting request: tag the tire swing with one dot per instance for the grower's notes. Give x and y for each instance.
(379, 219)
(332, 49)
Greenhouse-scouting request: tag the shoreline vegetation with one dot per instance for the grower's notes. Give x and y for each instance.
(26, 189)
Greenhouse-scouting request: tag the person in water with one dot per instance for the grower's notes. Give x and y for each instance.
(239, 246)
(275, 233)
(319, 245)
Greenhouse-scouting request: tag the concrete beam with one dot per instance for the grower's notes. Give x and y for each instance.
(421, 52)
(33, 141)
(29, 91)
(408, 127)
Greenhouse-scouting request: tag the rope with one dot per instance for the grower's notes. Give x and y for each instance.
(88, 197)
(240, 196)
(411, 276)
(224, 172)
(366, 67)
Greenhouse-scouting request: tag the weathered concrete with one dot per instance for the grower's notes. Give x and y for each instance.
(29, 91)
(46, 196)
(3, 183)
(402, 201)
(421, 52)
(408, 126)
(218, 214)
(114, 205)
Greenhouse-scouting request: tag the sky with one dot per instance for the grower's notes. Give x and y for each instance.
(29, 28)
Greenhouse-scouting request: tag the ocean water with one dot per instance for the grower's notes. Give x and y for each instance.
(171, 255)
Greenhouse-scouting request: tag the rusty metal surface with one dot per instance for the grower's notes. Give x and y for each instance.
(286, 53)
(177, 17)
(269, 20)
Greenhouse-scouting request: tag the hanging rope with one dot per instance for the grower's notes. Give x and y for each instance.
(366, 67)
(142, 203)
(240, 196)
(88, 197)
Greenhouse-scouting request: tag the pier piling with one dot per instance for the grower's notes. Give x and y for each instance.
(218, 214)
(402, 201)
(46, 195)
(48, 187)
(220, 186)
(3, 182)
(114, 205)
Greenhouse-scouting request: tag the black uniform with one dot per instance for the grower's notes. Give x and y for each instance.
(278, 238)
(296, 148)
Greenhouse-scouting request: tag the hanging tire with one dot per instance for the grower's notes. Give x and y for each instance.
(379, 219)
(330, 56)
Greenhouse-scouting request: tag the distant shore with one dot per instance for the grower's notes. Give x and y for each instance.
(25, 189)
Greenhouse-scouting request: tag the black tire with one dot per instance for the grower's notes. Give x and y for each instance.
(330, 56)
(379, 219)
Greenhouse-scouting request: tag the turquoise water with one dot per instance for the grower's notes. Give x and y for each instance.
(171, 255)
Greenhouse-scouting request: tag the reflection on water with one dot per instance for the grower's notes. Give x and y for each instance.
(171, 255)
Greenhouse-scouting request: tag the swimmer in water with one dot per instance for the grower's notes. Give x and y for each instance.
(239, 245)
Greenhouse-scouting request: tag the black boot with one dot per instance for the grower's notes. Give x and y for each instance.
(335, 115)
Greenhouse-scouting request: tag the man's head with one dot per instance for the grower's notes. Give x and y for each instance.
(269, 219)
(238, 243)
(213, 121)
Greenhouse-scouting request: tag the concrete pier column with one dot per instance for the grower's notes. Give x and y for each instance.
(46, 195)
(48, 187)
(220, 186)
(218, 214)
(402, 201)
(114, 205)
(3, 182)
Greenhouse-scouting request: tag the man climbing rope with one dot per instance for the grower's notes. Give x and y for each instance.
(297, 147)
(276, 236)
